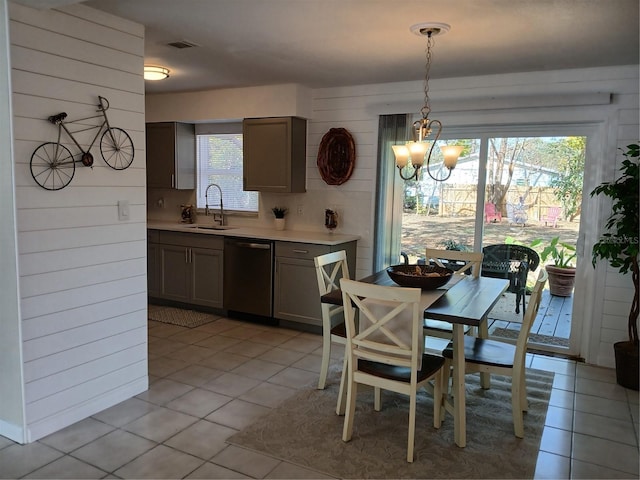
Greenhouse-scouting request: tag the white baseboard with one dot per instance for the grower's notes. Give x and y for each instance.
(68, 417)
(12, 432)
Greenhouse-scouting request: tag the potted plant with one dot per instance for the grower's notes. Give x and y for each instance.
(279, 213)
(453, 245)
(619, 246)
(562, 271)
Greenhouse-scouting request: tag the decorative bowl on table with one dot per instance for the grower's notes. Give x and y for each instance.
(426, 277)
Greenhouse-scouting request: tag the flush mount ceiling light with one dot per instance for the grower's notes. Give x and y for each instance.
(155, 73)
(425, 131)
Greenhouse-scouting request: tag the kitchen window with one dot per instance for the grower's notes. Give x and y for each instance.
(219, 160)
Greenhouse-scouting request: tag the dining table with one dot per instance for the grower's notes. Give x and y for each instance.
(465, 300)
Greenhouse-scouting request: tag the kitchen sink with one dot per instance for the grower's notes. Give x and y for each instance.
(210, 227)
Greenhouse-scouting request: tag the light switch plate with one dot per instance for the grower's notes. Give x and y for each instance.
(123, 210)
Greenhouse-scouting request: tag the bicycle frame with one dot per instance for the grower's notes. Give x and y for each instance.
(53, 165)
(59, 121)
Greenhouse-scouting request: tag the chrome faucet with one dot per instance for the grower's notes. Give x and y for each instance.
(220, 220)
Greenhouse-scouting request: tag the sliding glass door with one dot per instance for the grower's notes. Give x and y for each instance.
(442, 214)
(505, 189)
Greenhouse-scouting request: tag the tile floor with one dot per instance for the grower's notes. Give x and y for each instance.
(208, 382)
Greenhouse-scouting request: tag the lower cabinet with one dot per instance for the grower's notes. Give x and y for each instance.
(296, 296)
(205, 265)
(153, 274)
(189, 268)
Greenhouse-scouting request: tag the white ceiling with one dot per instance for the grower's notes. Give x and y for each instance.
(327, 43)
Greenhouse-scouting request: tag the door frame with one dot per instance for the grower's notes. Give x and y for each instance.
(583, 287)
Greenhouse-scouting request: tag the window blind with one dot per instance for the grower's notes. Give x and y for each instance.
(219, 158)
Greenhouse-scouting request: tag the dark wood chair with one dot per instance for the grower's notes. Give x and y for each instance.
(512, 262)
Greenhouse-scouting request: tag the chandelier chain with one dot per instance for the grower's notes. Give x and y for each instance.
(426, 109)
(416, 155)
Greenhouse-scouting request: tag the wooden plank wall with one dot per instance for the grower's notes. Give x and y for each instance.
(82, 271)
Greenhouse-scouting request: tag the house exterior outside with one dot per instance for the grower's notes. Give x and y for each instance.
(73, 290)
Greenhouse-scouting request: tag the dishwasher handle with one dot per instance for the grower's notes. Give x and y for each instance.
(261, 246)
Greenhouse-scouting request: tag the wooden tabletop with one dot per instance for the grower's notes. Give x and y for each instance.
(466, 302)
(469, 301)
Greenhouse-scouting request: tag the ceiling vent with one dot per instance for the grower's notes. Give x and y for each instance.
(182, 44)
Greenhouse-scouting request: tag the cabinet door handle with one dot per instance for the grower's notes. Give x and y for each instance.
(295, 250)
(186, 255)
(173, 181)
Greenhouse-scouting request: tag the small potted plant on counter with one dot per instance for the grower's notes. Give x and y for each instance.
(619, 246)
(279, 213)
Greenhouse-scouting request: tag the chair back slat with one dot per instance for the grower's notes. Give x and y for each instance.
(472, 260)
(389, 322)
(530, 315)
(330, 268)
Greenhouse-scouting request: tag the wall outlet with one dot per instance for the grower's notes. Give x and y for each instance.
(300, 210)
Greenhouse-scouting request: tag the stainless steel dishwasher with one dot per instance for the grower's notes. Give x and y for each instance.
(248, 276)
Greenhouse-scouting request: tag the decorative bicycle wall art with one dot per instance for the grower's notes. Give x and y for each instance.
(53, 165)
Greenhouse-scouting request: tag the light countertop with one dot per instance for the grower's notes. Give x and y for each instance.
(320, 238)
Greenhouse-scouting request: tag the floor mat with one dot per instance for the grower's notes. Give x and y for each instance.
(179, 316)
(533, 337)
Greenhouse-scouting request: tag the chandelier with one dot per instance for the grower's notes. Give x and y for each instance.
(426, 132)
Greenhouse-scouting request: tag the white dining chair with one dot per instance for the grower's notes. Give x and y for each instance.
(330, 268)
(483, 355)
(464, 263)
(385, 350)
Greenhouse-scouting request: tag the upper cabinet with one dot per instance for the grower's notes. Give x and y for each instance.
(275, 154)
(171, 155)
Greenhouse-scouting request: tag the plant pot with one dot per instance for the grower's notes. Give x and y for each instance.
(561, 280)
(626, 354)
(279, 223)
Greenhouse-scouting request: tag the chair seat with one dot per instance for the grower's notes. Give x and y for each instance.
(442, 326)
(484, 351)
(430, 365)
(339, 330)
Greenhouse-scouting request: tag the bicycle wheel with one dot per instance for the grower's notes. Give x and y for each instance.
(116, 148)
(52, 166)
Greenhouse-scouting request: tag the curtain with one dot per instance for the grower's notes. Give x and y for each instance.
(392, 129)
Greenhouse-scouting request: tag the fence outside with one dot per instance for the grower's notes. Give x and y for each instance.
(460, 201)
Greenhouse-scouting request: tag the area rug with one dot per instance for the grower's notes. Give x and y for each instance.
(179, 316)
(305, 430)
(533, 337)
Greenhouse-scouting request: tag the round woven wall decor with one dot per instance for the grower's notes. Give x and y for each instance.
(336, 156)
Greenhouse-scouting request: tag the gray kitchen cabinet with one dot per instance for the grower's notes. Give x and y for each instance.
(171, 155)
(153, 274)
(274, 154)
(206, 276)
(296, 297)
(189, 268)
(174, 273)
